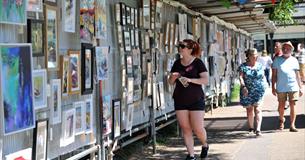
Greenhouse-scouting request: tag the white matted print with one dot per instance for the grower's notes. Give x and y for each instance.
(25, 154)
(69, 15)
(116, 118)
(89, 115)
(102, 62)
(79, 117)
(68, 127)
(34, 6)
(55, 101)
(39, 86)
(130, 108)
(107, 114)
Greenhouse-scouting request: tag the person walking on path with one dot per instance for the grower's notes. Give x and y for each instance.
(286, 84)
(301, 59)
(266, 61)
(251, 76)
(277, 50)
(189, 74)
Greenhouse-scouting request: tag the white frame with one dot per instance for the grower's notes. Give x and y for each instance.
(55, 119)
(42, 73)
(65, 140)
(70, 25)
(89, 130)
(81, 119)
(1, 94)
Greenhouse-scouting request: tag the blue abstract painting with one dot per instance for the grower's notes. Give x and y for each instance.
(16, 87)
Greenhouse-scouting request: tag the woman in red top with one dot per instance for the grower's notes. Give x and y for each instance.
(189, 73)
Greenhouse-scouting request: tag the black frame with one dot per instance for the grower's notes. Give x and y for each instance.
(85, 46)
(30, 23)
(189, 24)
(35, 138)
(115, 120)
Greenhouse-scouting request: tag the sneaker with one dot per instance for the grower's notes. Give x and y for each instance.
(293, 129)
(258, 133)
(251, 130)
(204, 151)
(188, 157)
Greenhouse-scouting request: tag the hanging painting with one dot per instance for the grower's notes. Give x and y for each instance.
(51, 37)
(64, 71)
(102, 62)
(68, 127)
(107, 124)
(13, 12)
(100, 19)
(79, 117)
(35, 36)
(86, 20)
(116, 115)
(16, 87)
(55, 102)
(34, 6)
(40, 140)
(74, 72)
(87, 68)
(89, 115)
(40, 87)
(69, 14)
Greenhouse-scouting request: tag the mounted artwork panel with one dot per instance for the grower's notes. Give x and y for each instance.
(102, 62)
(100, 19)
(64, 72)
(74, 81)
(146, 14)
(51, 37)
(129, 121)
(55, 102)
(89, 115)
(127, 40)
(80, 115)
(69, 15)
(35, 36)
(87, 68)
(13, 12)
(107, 115)
(116, 115)
(86, 20)
(68, 127)
(40, 87)
(40, 140)
(34, 6)
(16, 87)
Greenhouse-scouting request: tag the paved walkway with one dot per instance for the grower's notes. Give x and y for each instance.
(229, 139)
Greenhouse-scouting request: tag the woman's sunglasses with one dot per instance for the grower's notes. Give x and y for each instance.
(182, 46)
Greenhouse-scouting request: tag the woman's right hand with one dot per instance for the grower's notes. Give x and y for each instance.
(245, 91)
(175, 75)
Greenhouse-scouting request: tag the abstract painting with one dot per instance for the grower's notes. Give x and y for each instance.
(100, 19)
(13, 12)
(40, 140)
(89, 115)
(116, 118)
(51, 40)
(40, 87)
(74, 72)
(86, 20)
(64, 75)
(55, 101)
(35, 36)
(68, 128)
(17, 87)
(34, 6)
(79, 117)
(102, 62)
(25, 154)
(69, 14)
(87, 68)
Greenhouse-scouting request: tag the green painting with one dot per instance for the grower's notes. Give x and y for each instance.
(13, 11)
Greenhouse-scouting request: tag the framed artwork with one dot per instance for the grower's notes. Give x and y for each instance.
(123, 14)
(149, 78)
(89, 115)
(146, 14)
(51, 37)
(22, 154)
(13, 12)
(129, 64)
(129, 121)
(87, 20)
(102, 62)
(118, 13)
(34, 6)
(80, 115)
(141, 19)
(100, 19)
(87, 68)
(158, 16)
(132, 16)
(40, 138)
(16, 87)
(55, 102)
(69, 15)
(68, 127)
(40, 87)
(161, 95)
(51, 2)
(137, 38)
(132, 39)
(74, 81)
(64, 71)
(130, 83)
(35, 36)
(127, 40)
(107, 124)
(189, 24)
(116, 115)
(128, 14)
(136, 19)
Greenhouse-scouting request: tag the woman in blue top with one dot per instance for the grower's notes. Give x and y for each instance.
(251, 76)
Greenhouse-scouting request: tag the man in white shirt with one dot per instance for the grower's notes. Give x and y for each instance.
(301, 59)
(266, 62)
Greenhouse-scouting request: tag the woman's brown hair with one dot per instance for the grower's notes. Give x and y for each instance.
(193, 45)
